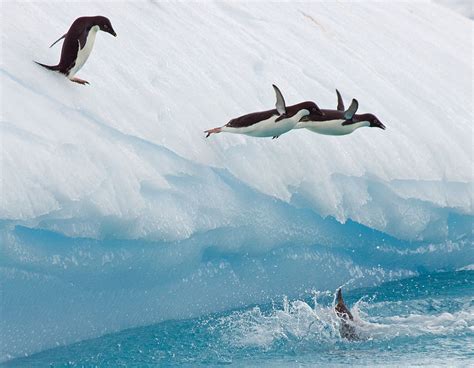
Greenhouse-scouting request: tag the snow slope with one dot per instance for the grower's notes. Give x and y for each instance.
(116, 211)
(464, 7)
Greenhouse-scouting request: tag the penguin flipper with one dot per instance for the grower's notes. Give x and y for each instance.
(349, 113)
(280, 101)
(83, 39)
(59, 39)
(340, 102)
(281, 117)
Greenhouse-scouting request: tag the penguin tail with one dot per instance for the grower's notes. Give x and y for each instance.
(50, 67)
(212, 131)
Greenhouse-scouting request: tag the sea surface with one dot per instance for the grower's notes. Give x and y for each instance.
(426, 320)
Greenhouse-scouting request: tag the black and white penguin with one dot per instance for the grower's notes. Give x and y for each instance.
(346, 328)
(77, 46)
(340, 121)
(270, 123)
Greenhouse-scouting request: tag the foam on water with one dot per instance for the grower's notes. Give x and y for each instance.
(427, 320)
(300, 322)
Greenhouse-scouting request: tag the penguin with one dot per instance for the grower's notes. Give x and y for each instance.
(340, 121)
(270, 123)
(77, 46)
(346, 329)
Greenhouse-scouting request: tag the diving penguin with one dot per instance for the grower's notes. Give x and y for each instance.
(340, 121)
(270, 123)
(346, 328)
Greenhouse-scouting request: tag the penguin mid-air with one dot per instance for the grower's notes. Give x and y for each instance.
(270, 123)
(340, 121)
(77, 46)
(346, 329)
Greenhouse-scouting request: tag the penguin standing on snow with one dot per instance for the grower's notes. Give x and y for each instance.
(270, 123)
(77, 46)
(340, 121)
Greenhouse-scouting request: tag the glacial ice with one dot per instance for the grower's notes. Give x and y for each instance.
(115, 211)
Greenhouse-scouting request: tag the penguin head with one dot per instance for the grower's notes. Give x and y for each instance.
(105, 25)
(372, 120)
(313, 109)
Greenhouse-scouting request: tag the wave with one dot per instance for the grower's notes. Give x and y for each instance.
(298, 323)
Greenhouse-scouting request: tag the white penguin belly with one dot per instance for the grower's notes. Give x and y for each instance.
(83, 54)
(268, 127)
(331, 127)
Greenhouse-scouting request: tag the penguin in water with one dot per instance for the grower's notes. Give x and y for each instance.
(346, 328)
(77, 46)
(270, 123)
(340, 121)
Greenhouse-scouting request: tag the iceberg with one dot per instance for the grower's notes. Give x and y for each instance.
(116, 212)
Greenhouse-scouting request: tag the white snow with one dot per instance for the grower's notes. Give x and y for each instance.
(463, 7)
(125, 159)
(73, 154)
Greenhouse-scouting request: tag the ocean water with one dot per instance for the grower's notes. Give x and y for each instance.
(426, 320)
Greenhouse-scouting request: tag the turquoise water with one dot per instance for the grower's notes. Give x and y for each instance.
(425, 320)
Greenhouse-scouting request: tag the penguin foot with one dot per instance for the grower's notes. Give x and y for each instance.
(212, 131)
(80, 81)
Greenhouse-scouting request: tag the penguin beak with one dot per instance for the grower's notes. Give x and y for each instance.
(111, 31)
(377, 124)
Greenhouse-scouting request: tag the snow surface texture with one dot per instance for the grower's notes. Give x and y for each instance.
(117, 212)
(464, 7)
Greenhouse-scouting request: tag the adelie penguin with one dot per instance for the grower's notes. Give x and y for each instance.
(346, 329)
(340, 121)
(77, 46)
(270, 123)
